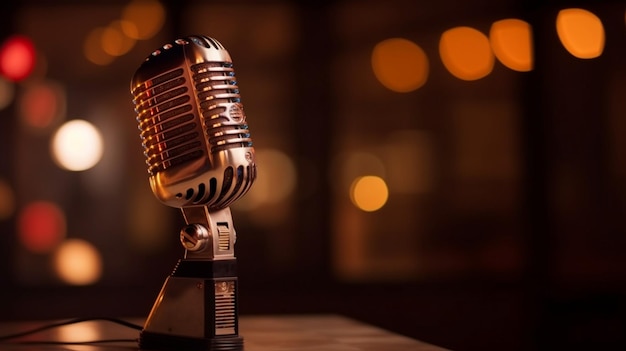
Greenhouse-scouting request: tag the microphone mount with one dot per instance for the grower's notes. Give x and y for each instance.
(208, 234)
(197, 306)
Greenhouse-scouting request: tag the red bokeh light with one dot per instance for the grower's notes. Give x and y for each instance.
(41, 226)
(17, 58)
(41, 104)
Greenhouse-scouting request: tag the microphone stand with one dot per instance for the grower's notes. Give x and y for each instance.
(197, 306)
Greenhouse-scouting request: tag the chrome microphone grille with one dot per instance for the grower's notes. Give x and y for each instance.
(192, 125)
(220, 105)
(169, 131)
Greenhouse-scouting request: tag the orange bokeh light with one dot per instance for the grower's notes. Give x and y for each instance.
(581, 32)
(400, 65)
(17, 58)
(369, 193)
(78, 262)
(466, 53)
(511, 40)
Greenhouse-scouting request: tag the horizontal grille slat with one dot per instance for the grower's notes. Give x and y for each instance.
(169, 134)
(225, 313)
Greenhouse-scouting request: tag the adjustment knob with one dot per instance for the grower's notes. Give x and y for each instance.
(194, 237)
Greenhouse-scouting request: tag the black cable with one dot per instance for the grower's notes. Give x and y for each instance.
(4, 338)
(90, 342)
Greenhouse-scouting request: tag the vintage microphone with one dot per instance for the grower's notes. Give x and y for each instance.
(200, 159)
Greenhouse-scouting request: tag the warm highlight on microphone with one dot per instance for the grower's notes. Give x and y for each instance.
(192, 123)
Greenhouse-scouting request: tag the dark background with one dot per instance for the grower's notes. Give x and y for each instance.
(522, 257)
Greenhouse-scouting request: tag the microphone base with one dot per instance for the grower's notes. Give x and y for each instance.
(196, 309)
(156, 341)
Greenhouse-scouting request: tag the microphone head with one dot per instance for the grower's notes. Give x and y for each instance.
(192, 125)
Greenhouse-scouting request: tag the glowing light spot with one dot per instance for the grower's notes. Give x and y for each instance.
(77, 262)
(511, 40)
(466, 53)
(77, 145)
(369, 193)
(17, 58)
(93, 49)
(581, 33)
(148, 17)
(130, 29)
(7, 200)
(88, 330)
(41, 226)
(400, 65)
(114, 40)
(42, 104)
(275, 181)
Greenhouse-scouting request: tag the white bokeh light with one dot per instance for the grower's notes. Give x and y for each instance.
(77, 145)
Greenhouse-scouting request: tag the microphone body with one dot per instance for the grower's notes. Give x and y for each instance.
(200, 159)
(193, 128)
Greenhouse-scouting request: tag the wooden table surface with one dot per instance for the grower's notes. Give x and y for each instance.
(260, 333)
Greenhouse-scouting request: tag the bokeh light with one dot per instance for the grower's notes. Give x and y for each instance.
(276, 180)
(41, 226)
(142, 19)
(115, 42)
(78, 262)
(42, 104)
(17, 58)
(369, 193)
(511, 41)
(87, 330)
(7, 200)
(466, 53)
(581, 33)
(400, 65)
(129, 29)
(93, 49)
(7, 93)
(77, 145)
